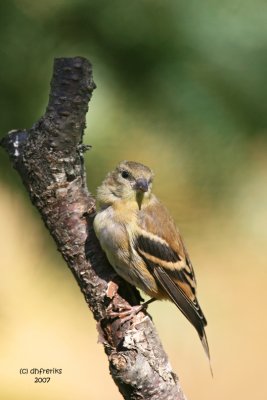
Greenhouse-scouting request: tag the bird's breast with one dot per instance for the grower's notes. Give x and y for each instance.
(116, 239)
(108, 230)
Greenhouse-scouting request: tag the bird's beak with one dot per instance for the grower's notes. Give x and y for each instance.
(141, 185)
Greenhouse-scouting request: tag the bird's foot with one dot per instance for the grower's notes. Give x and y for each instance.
(123, 312)
(126, 312)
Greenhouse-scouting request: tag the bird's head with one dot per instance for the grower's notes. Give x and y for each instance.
(128, 181)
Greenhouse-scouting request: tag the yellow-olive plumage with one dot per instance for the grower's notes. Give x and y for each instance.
(142, 242)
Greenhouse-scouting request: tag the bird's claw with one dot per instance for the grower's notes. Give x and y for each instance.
(124, 312)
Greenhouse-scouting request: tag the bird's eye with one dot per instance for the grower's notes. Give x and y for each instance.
(125, 174)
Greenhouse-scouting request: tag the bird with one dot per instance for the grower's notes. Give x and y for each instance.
(143, 243)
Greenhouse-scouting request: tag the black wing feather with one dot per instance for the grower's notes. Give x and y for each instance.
(191, 310)
(166, 279)
(164, 252)
(157, 249)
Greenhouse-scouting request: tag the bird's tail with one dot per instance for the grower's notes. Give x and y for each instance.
(205, 345)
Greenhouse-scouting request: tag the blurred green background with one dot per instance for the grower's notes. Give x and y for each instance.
(181, 87)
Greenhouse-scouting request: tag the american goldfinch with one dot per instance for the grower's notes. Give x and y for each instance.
(142, 242)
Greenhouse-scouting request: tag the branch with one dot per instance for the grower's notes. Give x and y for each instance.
(49, 159)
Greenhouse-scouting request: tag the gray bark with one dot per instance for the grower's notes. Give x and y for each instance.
(49, 159)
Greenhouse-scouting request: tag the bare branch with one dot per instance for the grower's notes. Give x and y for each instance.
(49, 159)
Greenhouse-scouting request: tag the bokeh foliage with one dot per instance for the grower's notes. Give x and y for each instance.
(193, 73)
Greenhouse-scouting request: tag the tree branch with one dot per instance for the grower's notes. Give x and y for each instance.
(49, 159)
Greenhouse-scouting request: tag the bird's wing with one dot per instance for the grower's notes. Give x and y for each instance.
(160, 245)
